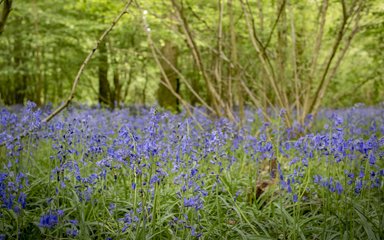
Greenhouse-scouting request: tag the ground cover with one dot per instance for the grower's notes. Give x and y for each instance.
(139, 173)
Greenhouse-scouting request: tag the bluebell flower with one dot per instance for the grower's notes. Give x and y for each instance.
(22, 200)
(372, 159)
(154, 179)
(60, 213)
(361, 174)
(194, 233)
(193, 171)
(305, 162)
(236, 195)
(48, 221)
(358, 186)
(295, 198)
(289, 189)
(194, 202)
(317, 179)
(74, 222)
(72, 232)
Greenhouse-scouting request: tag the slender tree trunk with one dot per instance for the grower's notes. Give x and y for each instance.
(104, 88)
(117, 87)
(234, 85)
(196, 86)
(164, 95)
(20, 76)
(7, 7)
(281, 49)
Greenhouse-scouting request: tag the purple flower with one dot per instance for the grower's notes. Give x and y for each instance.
(194, 172)
(60, 212)
(73, 222)
(317, 179)
(48, 221)
(339, 188)
(358, 186)
(72, 232)
(295, 198)
(372, 159)
(195, 202)
(22, 200)
(236, 195)
(154, 179)
(361, 174)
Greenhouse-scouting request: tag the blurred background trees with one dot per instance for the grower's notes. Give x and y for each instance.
(220, 54)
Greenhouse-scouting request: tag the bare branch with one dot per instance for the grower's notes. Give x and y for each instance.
(274, 25)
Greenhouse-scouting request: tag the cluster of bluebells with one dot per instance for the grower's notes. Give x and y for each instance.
(50, 219)
(344, 157)
(12, 193)
(183, 224)
(138, 153)
(73, 230)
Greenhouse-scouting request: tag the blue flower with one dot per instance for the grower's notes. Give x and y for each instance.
(194, 172)
(317, 179)
(22, 200)
(60, 212)
(154, 179)
(48, 221)
(72, 232)
(358, 186)
(73, 222)
(339, 188)
(195, 202)
(295, 198)
(372, 159)
(361, 174)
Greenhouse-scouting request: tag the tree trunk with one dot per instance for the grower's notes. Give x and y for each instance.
(104, 88)
(20, 77)
(117, 87)
(7, 6)
(164, 95)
